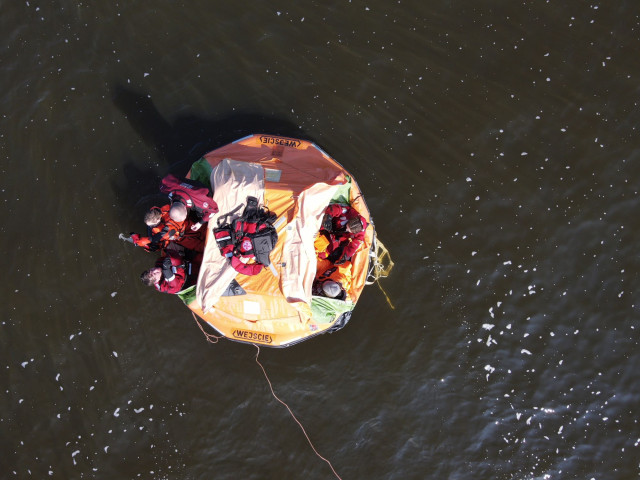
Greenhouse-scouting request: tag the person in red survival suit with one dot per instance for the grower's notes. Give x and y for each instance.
(343, 229)
(161, 230)
(164, 229)
(169, 274)
(195, 197)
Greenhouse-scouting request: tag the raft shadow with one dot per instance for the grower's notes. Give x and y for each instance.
(177, 144)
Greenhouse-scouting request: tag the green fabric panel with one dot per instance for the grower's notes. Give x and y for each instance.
(187, 295)
(343, 193)
(327, 310)
(201, 172)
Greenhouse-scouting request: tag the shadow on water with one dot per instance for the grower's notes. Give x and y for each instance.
(178, 143)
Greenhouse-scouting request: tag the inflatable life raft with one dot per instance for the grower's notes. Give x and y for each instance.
(286, 185)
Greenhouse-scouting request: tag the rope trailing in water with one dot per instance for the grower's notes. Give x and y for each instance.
(214, 339)
(381, 267)
(386, 296)
(292, 415)
(208, 336)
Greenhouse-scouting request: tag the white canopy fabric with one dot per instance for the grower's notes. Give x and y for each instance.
(232, 182)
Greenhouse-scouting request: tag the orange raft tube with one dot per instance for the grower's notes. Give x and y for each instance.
(296, 180)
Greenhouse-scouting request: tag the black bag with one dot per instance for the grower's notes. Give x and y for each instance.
(263, 242)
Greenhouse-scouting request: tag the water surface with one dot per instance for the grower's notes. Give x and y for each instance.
(496, 145)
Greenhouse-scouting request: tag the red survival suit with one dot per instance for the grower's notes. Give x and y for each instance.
(175, 272)
(196, 197)
(340, 244)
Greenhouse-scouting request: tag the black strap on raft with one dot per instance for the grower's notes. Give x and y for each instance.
(255, 225)
(234, 289)
(223, 233)
(222, 219)
(263, 242)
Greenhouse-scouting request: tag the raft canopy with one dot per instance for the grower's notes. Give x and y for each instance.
(296, 180)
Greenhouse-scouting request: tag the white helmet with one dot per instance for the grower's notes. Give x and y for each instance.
(331, 289)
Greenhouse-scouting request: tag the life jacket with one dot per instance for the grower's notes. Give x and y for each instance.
(341, 274)
(160, 235)
(194, 195)
(248, 240)
(167, 229)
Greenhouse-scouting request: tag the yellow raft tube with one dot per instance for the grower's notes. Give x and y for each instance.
(296, 180)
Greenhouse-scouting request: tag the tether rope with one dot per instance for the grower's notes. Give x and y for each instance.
(386, 296)
(210, 338)
(292, 414)
(380, 268)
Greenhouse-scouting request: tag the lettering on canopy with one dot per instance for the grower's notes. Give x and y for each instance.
(285, 142)
(252, 336)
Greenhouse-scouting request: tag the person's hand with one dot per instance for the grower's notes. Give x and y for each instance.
(196, 226)
(167, 271)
